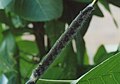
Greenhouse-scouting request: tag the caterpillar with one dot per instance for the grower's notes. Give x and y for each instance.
(64, 39)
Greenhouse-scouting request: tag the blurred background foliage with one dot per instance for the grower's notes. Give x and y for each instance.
(44, 21)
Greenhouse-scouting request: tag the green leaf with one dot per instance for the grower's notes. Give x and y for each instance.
(7, 50)
(106, 56)
(100, 54)
(28, 50)
(1, 35)
(28, 47)
(10, 42)
(98, 11)
(107, 72)
(4, 3)
(115, 2)
(82, 56)
(39, 10)
(16, 20)
(26, 67)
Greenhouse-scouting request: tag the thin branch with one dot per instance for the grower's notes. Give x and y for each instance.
(55, 81)
(39, 33)
(17, 66)
(64, 39)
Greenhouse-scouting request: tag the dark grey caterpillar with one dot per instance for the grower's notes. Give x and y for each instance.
(61, 42)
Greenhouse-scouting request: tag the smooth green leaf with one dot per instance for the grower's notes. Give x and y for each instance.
(39, 10)
(28, 46)
(4, 3)
(86, 58)
(28, 50)
(107, 72)
(1, 35)
(16, 20)
(106, 56)
(100, 54)
(98, 11)
(10, 42)
(7, 50)
(26, 67)
(82, 56)
(115, 2)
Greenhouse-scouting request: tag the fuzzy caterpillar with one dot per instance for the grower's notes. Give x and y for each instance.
(66, 37)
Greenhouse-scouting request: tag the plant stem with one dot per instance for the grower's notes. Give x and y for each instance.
(17, 55)
(39, 36)
(64, 39)
(56, 81)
